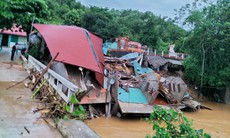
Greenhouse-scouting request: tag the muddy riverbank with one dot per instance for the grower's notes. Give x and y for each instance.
(17, 117)
(215, 122)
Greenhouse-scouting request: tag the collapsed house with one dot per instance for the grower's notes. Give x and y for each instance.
(128, 81)
(136, 89)
(140, 81)
(80, 58)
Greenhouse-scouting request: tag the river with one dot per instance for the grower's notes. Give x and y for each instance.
(216, 122)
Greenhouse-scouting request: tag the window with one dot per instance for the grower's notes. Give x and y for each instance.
(178, 85)
(14, 38)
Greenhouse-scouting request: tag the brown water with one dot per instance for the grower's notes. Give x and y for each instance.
(215, 122)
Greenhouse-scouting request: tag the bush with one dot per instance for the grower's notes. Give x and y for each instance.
(172, 124)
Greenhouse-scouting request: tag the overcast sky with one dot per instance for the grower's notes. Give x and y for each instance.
(158, 7)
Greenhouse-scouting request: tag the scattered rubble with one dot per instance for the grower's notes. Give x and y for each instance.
(143, 80)
(127, 80)
(139, 87)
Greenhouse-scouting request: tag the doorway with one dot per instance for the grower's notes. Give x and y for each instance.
(5, 38)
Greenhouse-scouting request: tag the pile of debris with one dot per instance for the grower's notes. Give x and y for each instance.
(131, 88)
(79, 64)
(54, 106)
(137, 81)
(126, 80)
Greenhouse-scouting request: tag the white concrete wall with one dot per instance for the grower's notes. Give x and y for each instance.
(21, 39)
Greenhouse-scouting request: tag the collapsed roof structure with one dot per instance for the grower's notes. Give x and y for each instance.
(80, 58)
(128, 77)
(76, 46)
(140, 81)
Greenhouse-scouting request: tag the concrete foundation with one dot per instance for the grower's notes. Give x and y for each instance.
(75, 129)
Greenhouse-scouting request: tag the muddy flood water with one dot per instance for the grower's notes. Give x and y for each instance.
(216, 122)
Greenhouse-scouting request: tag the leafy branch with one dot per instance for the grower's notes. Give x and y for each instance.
(78, 113)
(172, 124)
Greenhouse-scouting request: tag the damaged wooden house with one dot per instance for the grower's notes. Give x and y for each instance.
(80, 59)
(126, 82)
(138, 81)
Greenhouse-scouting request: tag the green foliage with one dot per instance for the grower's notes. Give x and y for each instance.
(67, 108)
(73, 17)
(66, 117)
(79, 111)
(192, 72)
(146, 28)
(74, 100)
(180, 45)
(22, 13)
(65, 12)
(34, 51)
(172, 124)
(101, 22)
(209, 42)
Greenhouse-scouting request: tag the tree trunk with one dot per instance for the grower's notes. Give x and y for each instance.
(202, 70)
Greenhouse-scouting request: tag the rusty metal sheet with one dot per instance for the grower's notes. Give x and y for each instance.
(156, 61)
(95, 97)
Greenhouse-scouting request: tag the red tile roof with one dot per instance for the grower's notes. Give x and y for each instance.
(13, 31)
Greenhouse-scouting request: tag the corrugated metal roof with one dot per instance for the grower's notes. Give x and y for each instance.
(156, 61)
(148, 82)
(76, 46)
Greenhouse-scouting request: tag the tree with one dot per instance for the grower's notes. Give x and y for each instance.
(101, 22)
(73, 17)
(150, 34)
(22, 13)
(68, 12)
(208, 45)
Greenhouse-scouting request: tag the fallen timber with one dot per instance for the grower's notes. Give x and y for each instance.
(50, 90)
(131, 89)
(131, 84)
(55, 97)
(55, 80)
(79, 66)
